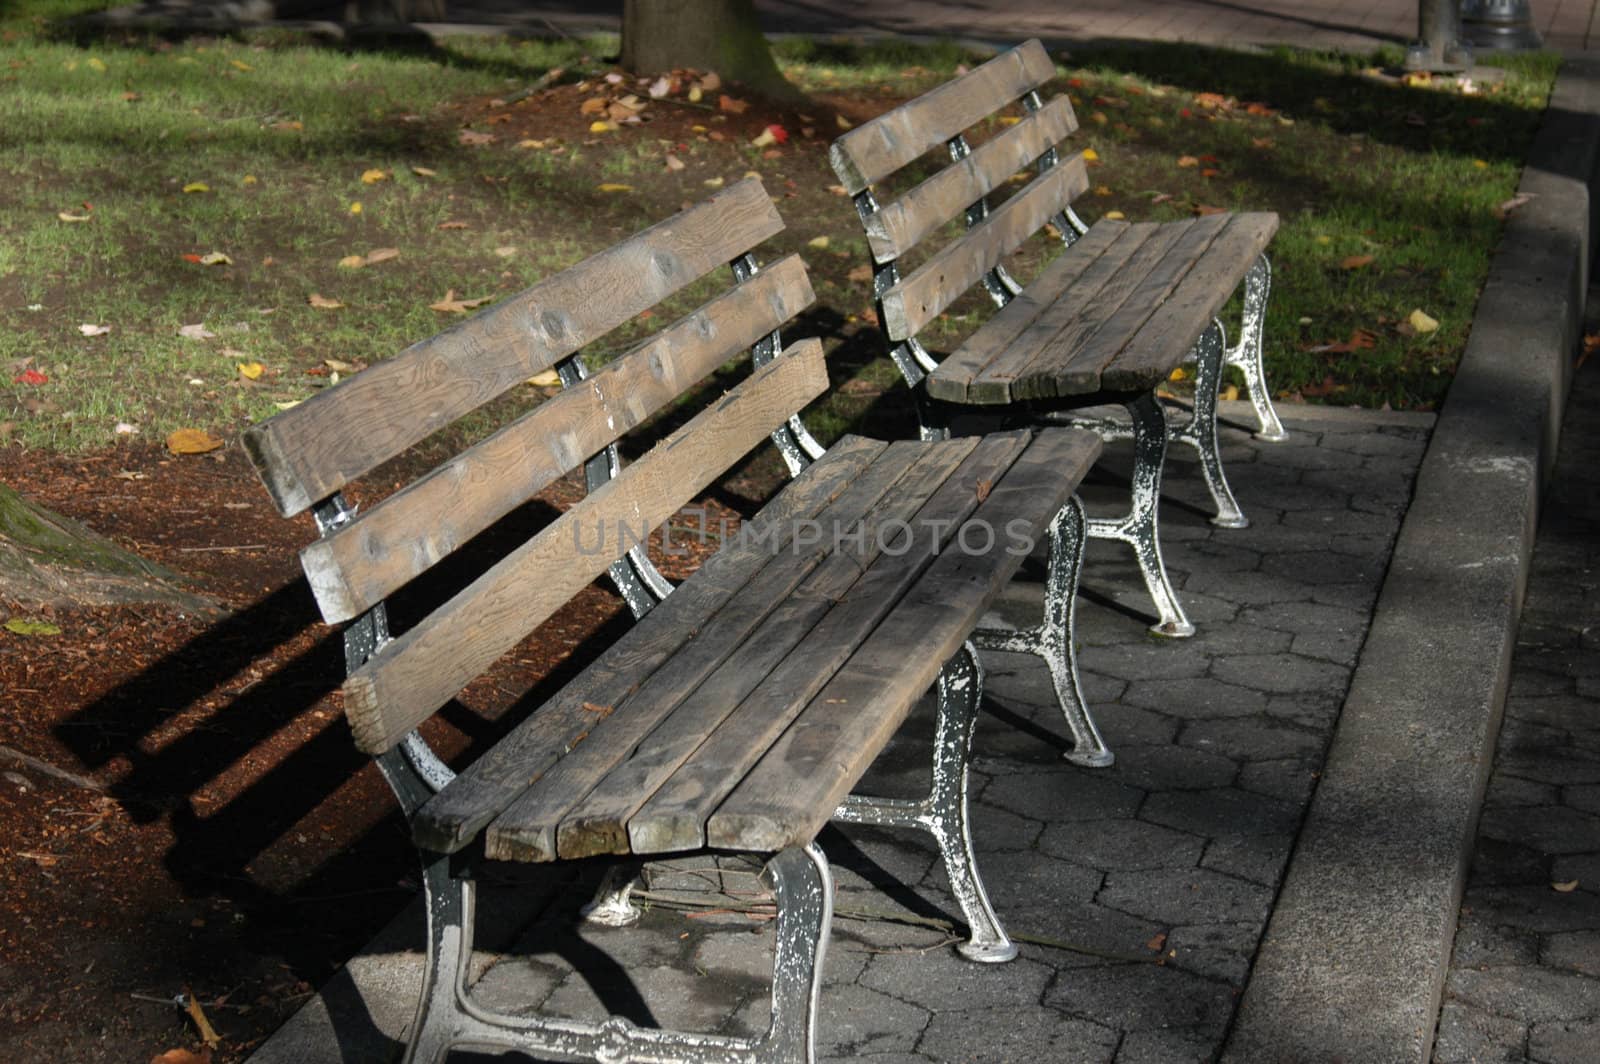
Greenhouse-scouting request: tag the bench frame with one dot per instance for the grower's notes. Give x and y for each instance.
(1147, 426)
(446, 1015)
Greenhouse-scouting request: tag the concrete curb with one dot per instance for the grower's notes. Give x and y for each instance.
(1353, 962)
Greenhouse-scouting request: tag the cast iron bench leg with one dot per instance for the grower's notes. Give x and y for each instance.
(1200, 432)
(1054, 639)
(1247, 353)
(944, 812)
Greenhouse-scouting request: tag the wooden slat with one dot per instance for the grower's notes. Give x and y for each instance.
(802, 779)
(310, 451)
(674, 818)
(1186, 313)
(876, 149)
(957, 372)
(454, 817)
(589, 796)
(941, 280)
(899, 226)
(411, 677)
(355, 567)
(1074, 360)
(1076, 312)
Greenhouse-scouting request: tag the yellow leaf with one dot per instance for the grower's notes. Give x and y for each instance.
(372, 177)
(197, 186)
(215, 258)
(1229, 394)
(1422, 322)
(1177, 374)
(819, 242)
(290, 405)
(1090, 155)
(423, 171)
(322, 302)
(20, 626)
(248, 179)
(844, 123)
(611, 186)
(1009, 120)
(712, 182)
(1115, 216)
(192, 441)
(251, 370)
(240, 65)
(602, 126)
(67, 216)
(353, 262)
(97, 63)
(1565, 888)
(548, 379)
(1480, 164)
(451, 305)
(355, 208)
(1102, 190)
(378, 255)
(530, 143)
(1324, 240)
(1099, 118)
(1187, 161)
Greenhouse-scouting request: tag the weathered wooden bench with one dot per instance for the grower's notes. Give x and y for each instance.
(742, 707)
(1105, 322)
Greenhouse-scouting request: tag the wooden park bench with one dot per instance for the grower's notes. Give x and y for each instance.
(1105, 322)
(742, 707)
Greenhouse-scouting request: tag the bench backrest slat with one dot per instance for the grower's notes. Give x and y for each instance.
(942, 279)
(897, 227)
(411, 677)
(868, 154)
(308, 452)
(357, 565)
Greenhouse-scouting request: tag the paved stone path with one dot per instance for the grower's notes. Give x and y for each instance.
(1145, 886)
(1524, 982)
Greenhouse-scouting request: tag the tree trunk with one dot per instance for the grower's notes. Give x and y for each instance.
(50, 560)
(720, 35)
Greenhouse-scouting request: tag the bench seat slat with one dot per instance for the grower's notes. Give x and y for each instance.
(964, 365)
(1072, 361)
(526, 830)
(455, 816)
(876, 149)
(802, 779)
(957, 266)
(1075, 313)
(669, 714)
(312, 450)
(899, 226)
(673, 819)
(1197, 299)
(355, 567)
(408, 679)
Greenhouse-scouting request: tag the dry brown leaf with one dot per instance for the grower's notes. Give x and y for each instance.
(451, 305)
(322, 302)
(382, 255)
(182, 1056)
(860, 273)
(208, 1034)
(452, 225)
(733, 105)
(594, 105)
(1356, 262)
(472, 138)
(1187, 161)
(1565, 888)
(984, 488)
(192, 441)
(674, 163)
(1204, 209)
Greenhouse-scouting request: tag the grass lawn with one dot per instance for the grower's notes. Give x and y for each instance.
(181, 221)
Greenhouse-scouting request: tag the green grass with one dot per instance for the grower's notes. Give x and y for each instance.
(280, 131)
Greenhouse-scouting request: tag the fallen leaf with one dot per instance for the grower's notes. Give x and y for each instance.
(355, 208)
(452, 225)
(288, 404)
(182, 1056)
(288, 127)
(30, 376)
(659, 88)
(382, 255)
(506, 252)
(94, 330)
(984, 488)
(1158, 942)
(423, 171)
(1177, 374)
(239, 64)
(451, 305)
(1090, 155)
(612, 186)
(712, 182)
(322, 302)
(733, 105)
(594, 105)
(19, 626)
(818, 242)
(1565, 888)
(215, 258)
(97, 64)
(1356, 262)
(602, 126)
(197, 331)
(710, 82)
(1480, 164)
(1186, 161)
(1229, 394)
(473, 138)
(125, 429)
(353, 262)
(208, 1034)
(372, 177)
(1422, 322)
(1202, 209)
(860, 273)
(192, 258)
(1513, 203)
(548, 379)
(843, 122)
(1210, 172)
(192, 441)
(67, 216)
(1116, 216)
(674, 163)
(197, 186)
(1160, 197)
(251, 371)
(530, 144)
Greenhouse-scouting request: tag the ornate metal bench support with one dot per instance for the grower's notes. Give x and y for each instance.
(612, 904)
(1139, 527)
(1200, 431)
(1247, 353)
(943, 812)
(447, 1018)
(1053, 640)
